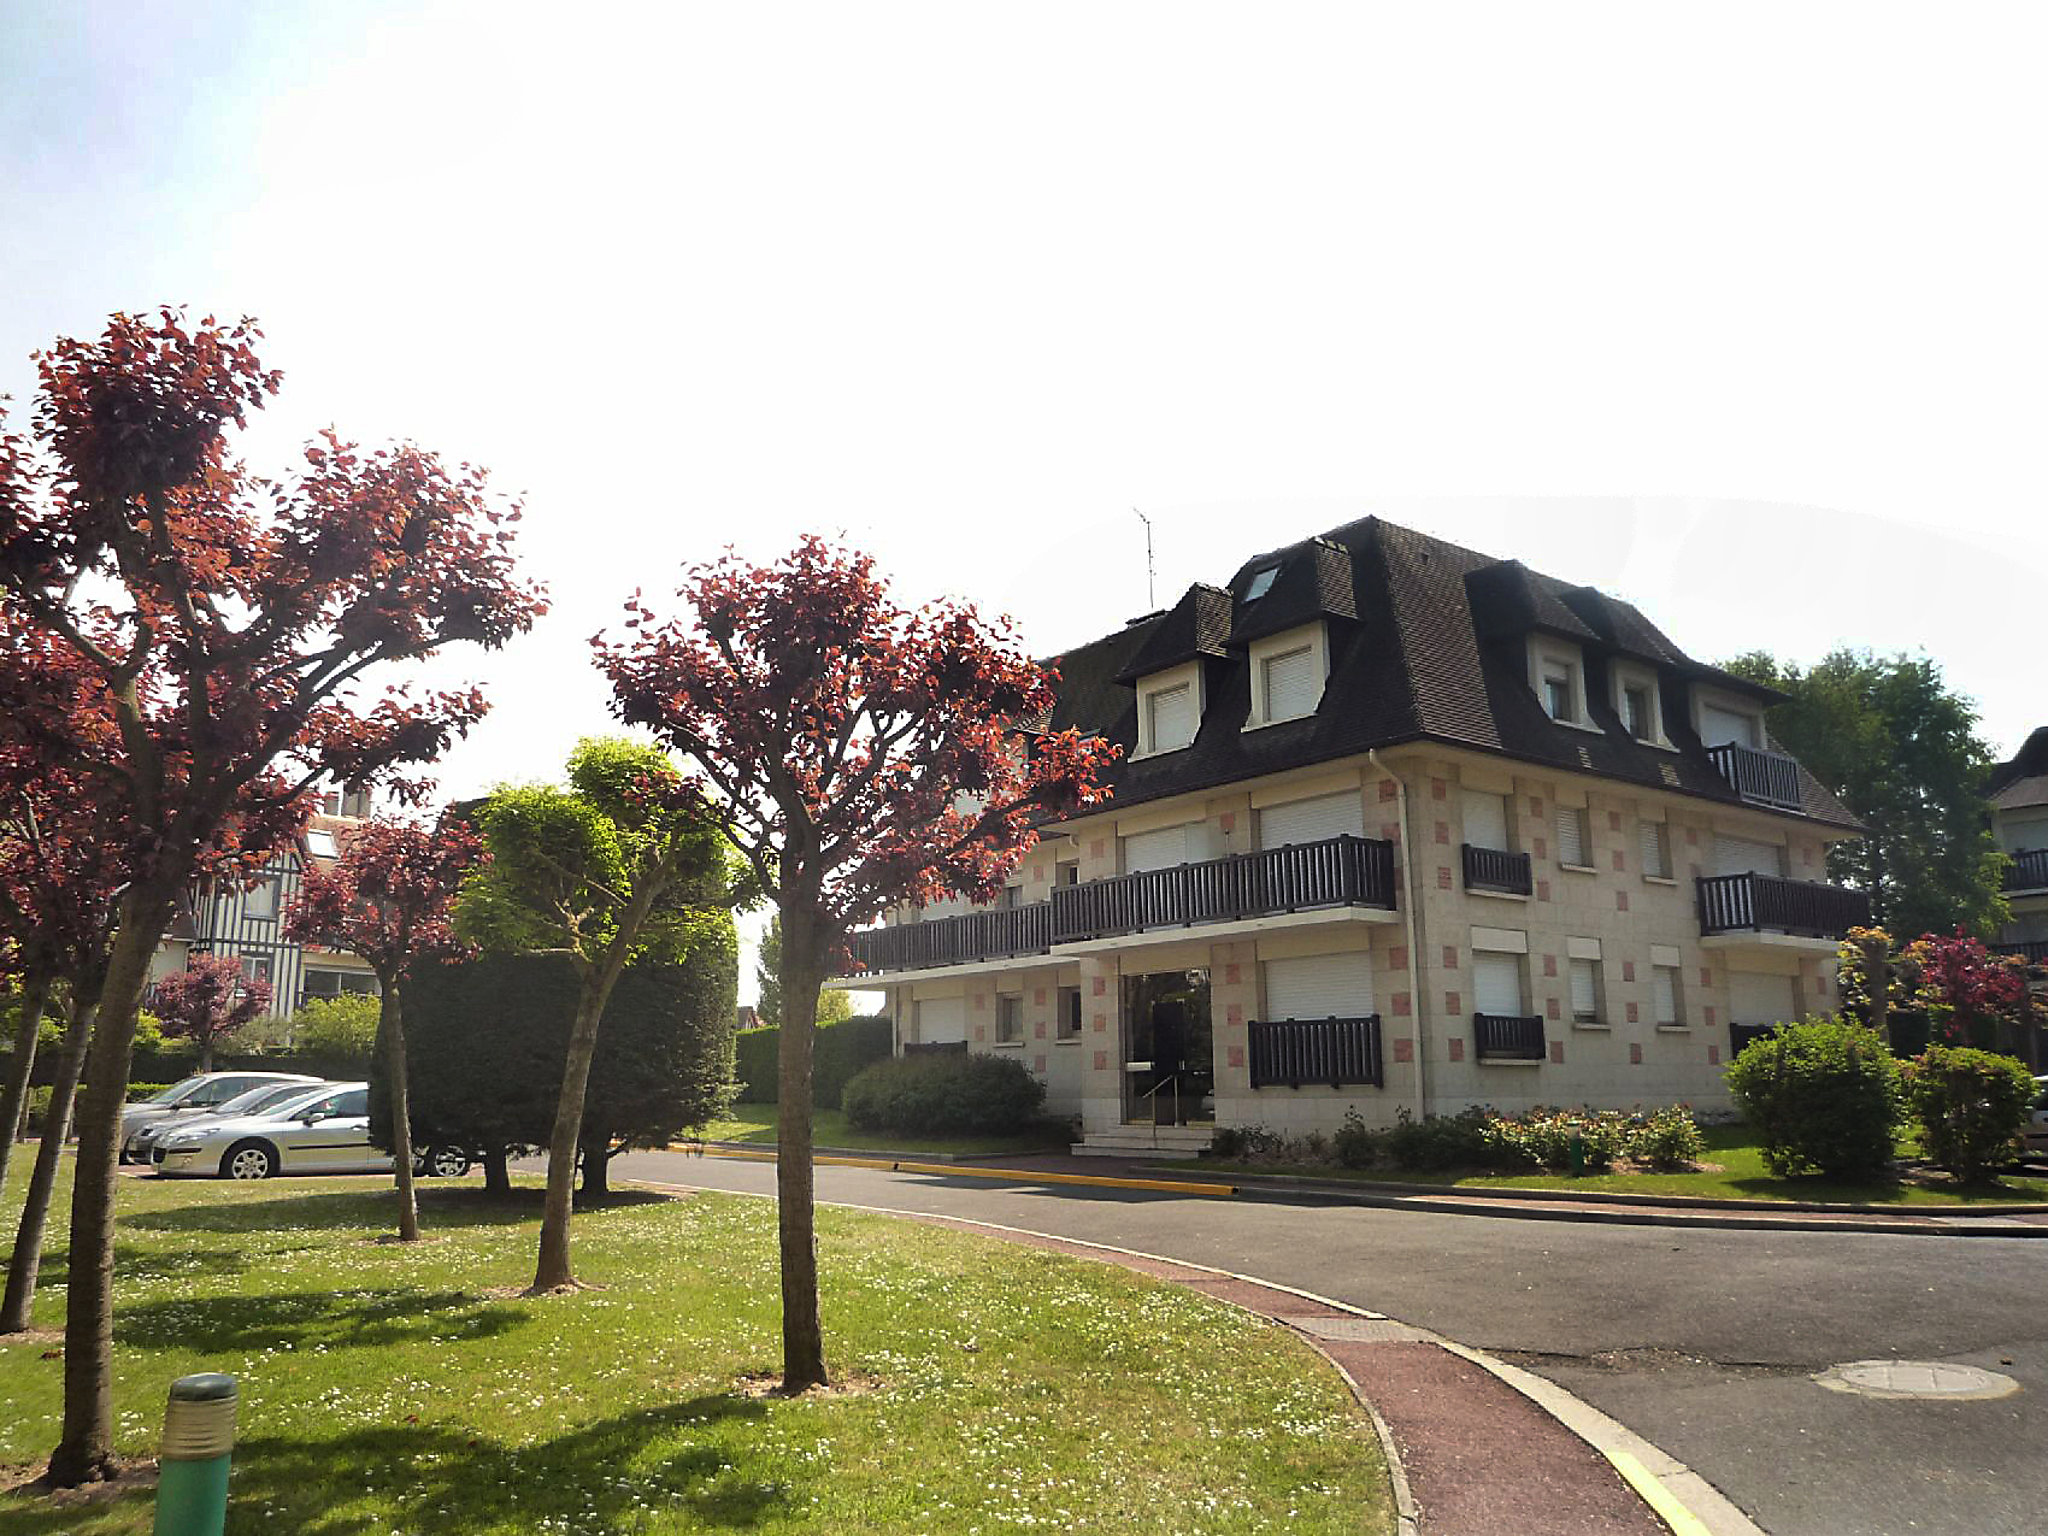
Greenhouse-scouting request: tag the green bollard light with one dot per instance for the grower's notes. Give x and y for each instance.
(199, 1443)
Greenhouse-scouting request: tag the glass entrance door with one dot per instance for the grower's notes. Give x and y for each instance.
(1169, 1057)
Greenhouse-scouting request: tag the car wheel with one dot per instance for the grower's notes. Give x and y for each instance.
(250, 1160)
(447, 1162)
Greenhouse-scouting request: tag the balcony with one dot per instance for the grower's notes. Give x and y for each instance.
(1340, 1052)
(1507, 1037)
(1772, 908)
(962, 940)
(1338, 872)
(2029, 871)
(1497, 870)
(2032, 951)
(1763, 778)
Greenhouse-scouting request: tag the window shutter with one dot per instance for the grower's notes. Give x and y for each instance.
(1760, 999)
(1173, 717)
(941, 1020)
(1163, 849)
(1319, 987)
(1656, 850)
(1664, 985)
(1718, 727)
(1497, 984)
(1571, 836)
(1292, 687)
(1486, 819)
(1310, 821)
(1585, 991)
(1739, 856)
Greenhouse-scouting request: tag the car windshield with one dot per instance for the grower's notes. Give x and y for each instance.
(177, 1092)
(265, 1097)
(292, 1103)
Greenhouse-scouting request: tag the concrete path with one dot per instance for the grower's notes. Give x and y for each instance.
(1703, 1341)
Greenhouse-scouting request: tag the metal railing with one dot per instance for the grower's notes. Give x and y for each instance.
(961, 940)
(1759, 903)
(1340, 1052)
(1507, 1036)
(1769, 778)
(2029, 870)
(2033, 951)
(1496, 869)
(1336, 872)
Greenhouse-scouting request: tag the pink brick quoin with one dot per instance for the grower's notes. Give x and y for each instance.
(1710, 1015)
(1551, 1007)
(981, 1032)
(1443, 877)
(1237, 1055)
(1404, 1049)
(1557, 1053)
(1450, 957)
(1620, 897)
(1101, 985)
(1543, 890)
(1227, 821)
(1397, 957)
(1098, 848)
(1038, 1030)
(1614, 821)
(1628, 970)
(1457, 1047)
(1102, 1061)
(1403, 1005)
(1234, 1015)
(1038, 997)
(1550, 965)
(1438, 789)
(1633, 1016)
(1451, 1001)
(1635, 1055)
(1233, 974)
(1101, 1024)
(1388, 789)
(1713, 1055)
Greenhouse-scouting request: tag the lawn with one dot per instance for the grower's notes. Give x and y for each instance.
(1741, 1175)
(756, 1123)
(389, 1389)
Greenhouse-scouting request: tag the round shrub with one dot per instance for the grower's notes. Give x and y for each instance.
(1822, 1096)
(343, 1029)
(1972, 1107)
(1552, 1138)
(1357, 1144)
(1666, 1140)
(944, 1094)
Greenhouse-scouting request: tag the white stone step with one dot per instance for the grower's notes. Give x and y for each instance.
(1165, 1142)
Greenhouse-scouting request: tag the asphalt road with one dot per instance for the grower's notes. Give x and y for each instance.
(1704, 1342)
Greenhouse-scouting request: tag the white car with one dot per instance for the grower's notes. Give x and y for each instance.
(325, 1131)
(203, 1094)
(258, 1100)
(2037, 1124)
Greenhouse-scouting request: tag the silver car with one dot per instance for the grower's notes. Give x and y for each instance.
(325, 1131)
(203, 1094)
(258, 1100)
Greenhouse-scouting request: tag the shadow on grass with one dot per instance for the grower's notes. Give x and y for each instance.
(334, 1209)
(365, 1319)
(612, 1475)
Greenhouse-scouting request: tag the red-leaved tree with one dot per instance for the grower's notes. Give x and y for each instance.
(859, 755)
(1971, 995)
(389, 899)
(208, 1002)
(231, 622)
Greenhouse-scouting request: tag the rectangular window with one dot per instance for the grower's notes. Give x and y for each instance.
(1585, 991)
(1557, 694)
(1067, 872)
(260, 900)
(1009, 1018)
(1573, 841)
(256, 968)
(320, 844)
(1070, 1013)
(1664, 993)
(1291, 685)
(1486, 819)
(1497, 984)
(1635, 712)
(1657, 850)
(1170, 716)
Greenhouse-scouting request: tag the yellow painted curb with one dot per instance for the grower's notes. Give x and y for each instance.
(1016, 1175)
(1683, 1522)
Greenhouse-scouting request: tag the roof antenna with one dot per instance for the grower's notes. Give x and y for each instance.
(1151, 596)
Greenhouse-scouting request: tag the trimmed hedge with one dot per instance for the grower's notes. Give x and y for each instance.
(1972, 1107)
(841, 1051)
(1822, 1096)
(944, 1095)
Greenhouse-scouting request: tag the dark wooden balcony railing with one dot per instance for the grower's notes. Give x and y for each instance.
(1336, 872)
(2033, 951)
(961, 940)
(1340, 1052)
(2029, 871)
(1507, 1036)
(1769, 778)
(1495, 869)
(1759, 903)
(935, 1048)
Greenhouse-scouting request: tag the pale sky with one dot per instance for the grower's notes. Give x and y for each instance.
(1735, 310)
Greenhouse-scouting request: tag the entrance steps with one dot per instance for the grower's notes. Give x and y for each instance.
(1167, 1142)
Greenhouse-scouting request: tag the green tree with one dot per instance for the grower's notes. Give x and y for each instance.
(340, 1029)
(834, 1007)
(1900, 749)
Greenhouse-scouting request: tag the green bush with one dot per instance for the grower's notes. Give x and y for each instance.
(1438, 1142)
(1972, 1107)
(342, 1029)
(944, 1094)
(1821, 1096)
(137, 1092)
(1356, 1144)
(38, 1108)
(1666, 1140)
(1245, 1143)
(1560, 1139)
(840, 1051)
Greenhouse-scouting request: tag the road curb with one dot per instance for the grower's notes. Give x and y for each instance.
(1685, 1501)
(1015, 1175)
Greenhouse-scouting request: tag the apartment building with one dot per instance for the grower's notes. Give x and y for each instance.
(1401, 826)
(2018, 792)
(221, 917)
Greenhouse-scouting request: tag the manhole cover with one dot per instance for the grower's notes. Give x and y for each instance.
(1356, 1330)
(1917, 1378)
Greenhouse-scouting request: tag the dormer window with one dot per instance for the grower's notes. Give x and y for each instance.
(1559, 696)
(1261, 583)
(1635, 711)
(1636, 702)
(1169, 710)
(1287, 673)
(1560, 680)
(1722, 718)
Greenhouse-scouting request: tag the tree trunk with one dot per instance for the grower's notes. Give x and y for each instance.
(803, 1335)
(552, 1272)
(18, 1307)
(14, 1103)
(205, 1054)
(497, 1172)
(85, 1452)
(391, 1025)
(597, 1171)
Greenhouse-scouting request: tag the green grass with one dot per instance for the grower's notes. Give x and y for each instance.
(1740, 1176)
(756, 1123)
(389, 1389)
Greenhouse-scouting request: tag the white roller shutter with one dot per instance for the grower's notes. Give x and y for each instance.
(1664, 994)
(1497, 984)
(1486, 819)
(1162, 849)
(941, 1020)
(1718, 727)
(1310, 821)
(1319, 987)
(1585, 990)
(1739, 856)
(1571, 836)
(1760, 999)
(1293, 686)
(1656, 849)
(1173, 717)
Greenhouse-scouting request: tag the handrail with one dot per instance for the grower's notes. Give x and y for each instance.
(1770, 778)
(1152, 1093)
(1760, 903)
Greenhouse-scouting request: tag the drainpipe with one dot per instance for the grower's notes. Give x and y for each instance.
(1409, 916)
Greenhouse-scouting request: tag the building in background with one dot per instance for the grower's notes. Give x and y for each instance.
(2018, 792)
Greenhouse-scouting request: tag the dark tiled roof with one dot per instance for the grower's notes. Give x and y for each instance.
(2030, 762)
(1432, 645)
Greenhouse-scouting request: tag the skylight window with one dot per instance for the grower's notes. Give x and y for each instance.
(1261, 583)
